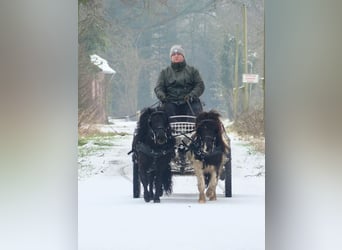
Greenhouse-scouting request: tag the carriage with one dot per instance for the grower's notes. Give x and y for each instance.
(182, 127)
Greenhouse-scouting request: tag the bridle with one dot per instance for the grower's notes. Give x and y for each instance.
(154, 131)
(199, 141)
(164, 149)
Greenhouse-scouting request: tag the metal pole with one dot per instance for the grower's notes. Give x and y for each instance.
(236, 72)
(246, 101)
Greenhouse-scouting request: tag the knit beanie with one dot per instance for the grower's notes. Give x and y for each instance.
(177, 49)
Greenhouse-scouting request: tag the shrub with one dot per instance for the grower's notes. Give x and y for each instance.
(250, 123)
(250, 126)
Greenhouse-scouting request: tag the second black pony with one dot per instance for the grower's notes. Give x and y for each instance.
(153, 149)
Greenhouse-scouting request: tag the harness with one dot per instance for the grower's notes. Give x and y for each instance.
(196, 148)
(154, 153)
(153, 130)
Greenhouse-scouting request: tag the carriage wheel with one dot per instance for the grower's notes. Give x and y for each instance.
(136, 181)
(228, 176)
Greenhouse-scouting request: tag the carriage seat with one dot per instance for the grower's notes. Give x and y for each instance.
(182, 124)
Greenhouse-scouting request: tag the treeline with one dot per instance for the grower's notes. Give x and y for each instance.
(135, 38)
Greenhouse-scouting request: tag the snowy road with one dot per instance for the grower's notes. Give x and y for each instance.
(110, 219)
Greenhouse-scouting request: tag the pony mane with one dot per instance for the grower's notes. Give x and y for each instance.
(143, 123)
(211, 115)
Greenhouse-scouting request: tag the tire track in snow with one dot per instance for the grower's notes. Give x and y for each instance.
(124, 175)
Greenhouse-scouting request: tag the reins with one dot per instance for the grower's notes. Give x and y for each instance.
(192, 111)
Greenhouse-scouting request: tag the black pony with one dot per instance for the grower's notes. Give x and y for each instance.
(209, 150)
(153, 148)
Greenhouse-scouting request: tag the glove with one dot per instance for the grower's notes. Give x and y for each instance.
(188, 98)
(162, 97)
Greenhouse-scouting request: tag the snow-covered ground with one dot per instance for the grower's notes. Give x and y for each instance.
(109, 218)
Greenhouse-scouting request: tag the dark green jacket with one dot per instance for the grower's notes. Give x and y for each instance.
(177, 81)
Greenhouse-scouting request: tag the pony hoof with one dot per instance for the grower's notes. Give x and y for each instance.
(147, 198)
(156, 200)
(209, 193)
(201, 201)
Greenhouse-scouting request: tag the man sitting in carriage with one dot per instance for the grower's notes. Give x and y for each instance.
(179, 86)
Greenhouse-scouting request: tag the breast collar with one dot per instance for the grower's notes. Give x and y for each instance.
(156, 153)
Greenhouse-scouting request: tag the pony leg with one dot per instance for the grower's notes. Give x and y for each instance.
(151, 184)
(158, 186)
(143, 179)
(200, 180)
(211, 191)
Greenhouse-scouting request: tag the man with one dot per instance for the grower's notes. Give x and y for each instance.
(179, 85)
